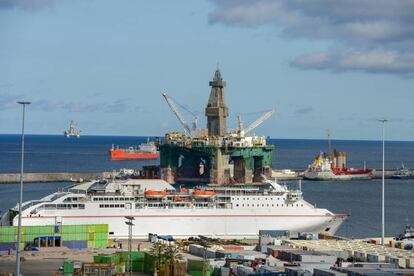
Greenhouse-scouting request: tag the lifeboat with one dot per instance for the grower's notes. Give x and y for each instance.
(183, 190)
(203, 194)
(155, 194)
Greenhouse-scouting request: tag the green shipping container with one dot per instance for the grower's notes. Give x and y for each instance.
(194, 265)
(101, 236)
(101, 243)
(67, 267)
(200, 273)
(101, 228)
(137, 266)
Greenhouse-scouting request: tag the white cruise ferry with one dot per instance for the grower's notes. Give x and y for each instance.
(237, 211)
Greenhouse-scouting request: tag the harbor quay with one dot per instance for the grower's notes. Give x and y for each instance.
(271, 254)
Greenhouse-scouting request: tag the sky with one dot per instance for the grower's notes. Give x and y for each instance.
(338, 65)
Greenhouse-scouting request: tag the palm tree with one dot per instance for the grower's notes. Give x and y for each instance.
(158, 251)
(172, 255)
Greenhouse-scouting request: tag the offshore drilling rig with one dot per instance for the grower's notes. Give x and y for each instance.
(215, 155)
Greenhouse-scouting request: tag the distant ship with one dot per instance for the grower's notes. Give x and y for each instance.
(403, 173)
(333, 167)
(143, 151)
(72, 131)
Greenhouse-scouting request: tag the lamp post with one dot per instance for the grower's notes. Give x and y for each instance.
(130, 224)
(383, 121)
(19, 229)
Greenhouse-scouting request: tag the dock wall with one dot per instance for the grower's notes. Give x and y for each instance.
(52, 177)
(67, 176)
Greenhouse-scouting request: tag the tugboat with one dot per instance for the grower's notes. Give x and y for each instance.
(72, 131)
(408, 233)
(403, 173)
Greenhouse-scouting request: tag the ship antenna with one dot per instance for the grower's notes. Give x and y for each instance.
(329, 142)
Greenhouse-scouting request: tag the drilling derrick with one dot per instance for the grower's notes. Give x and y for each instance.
(216, 110)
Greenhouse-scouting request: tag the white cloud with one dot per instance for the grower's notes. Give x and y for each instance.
(375, 36)
(26, 4)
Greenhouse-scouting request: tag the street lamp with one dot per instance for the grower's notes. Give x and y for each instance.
(383, 121)
(130, 224)
(19, 229)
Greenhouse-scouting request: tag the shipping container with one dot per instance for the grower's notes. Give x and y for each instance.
(77, 244)
(67, 267)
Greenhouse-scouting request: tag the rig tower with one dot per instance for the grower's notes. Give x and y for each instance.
(216, 110)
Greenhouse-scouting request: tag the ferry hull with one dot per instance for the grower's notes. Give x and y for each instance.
(184, 224)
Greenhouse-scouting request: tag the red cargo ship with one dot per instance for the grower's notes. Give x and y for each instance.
(144, 151)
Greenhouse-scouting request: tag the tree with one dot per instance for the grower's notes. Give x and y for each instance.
(158, 250)
(172, 255)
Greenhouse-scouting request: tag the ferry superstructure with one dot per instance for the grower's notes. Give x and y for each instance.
(237, 211)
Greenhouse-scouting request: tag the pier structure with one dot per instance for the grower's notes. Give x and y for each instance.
(216, 155)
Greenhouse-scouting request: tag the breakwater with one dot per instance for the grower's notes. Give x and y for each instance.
(52, 177)
(78, 177)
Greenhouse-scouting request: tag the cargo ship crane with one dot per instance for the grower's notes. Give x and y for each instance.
(171, 103)
(255, 124)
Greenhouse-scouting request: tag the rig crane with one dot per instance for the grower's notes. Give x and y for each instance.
(255, 124)
(172, 104)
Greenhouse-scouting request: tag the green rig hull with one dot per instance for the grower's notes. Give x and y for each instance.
(213, 164)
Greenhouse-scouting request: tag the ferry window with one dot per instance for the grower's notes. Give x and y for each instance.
(121, 199)
(282, 205)
(106, 205)
(75, 205)
(266, 198)
(267, 205)
(122, 205)
(297, 205)
(111, 206)
(111, 199)
(101, 205)
(242, 205)
(116, 205)
(81, 206)
(95, 199)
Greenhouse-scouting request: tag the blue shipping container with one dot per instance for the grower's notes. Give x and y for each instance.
(6, 246)
(76, 244)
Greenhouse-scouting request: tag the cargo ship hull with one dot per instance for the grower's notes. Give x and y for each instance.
(329, 175)
(118, 154)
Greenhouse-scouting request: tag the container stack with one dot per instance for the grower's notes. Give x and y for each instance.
(84, 236)
(115, 260)
(71, 236)
(141, 261)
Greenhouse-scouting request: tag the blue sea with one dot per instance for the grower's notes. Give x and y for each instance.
(361, 199)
